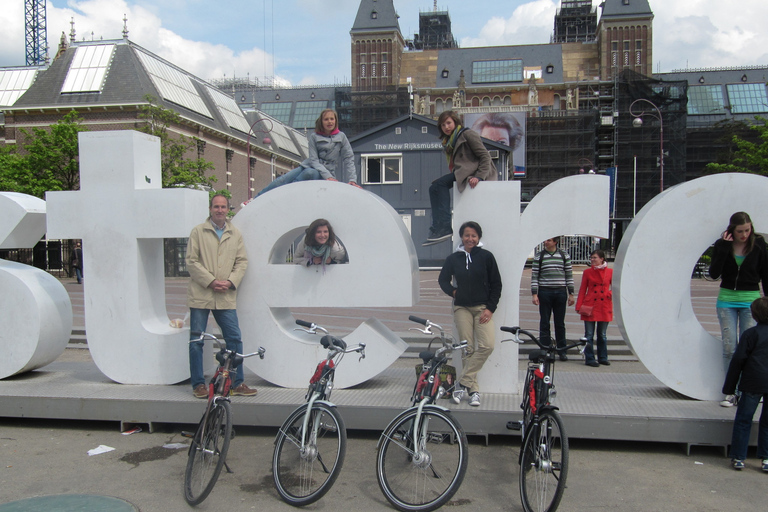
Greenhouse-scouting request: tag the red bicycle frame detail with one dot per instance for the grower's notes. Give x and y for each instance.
(537, 374)
(319, 371)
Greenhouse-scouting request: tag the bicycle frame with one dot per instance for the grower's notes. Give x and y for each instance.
(321, 385)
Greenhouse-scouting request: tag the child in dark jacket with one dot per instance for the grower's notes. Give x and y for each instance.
(750, 363)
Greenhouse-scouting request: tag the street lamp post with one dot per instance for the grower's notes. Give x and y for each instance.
(266, 140)
(586, 163)
(638, 122)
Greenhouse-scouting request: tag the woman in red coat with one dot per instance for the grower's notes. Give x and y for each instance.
(595, 305)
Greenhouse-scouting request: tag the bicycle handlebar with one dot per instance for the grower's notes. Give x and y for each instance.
(208, 336)
(332, 343)
(517, 331)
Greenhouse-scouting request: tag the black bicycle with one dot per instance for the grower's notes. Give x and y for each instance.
(544, 456)
(210, 443)
(422, 454)
(311, 443)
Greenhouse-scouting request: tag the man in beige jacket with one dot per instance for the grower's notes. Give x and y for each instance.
(216, 262)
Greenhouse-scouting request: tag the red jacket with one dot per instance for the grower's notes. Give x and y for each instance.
(596, 291)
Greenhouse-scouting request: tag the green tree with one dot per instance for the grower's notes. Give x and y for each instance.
(177, 169)
(49, 160)
(746, 156)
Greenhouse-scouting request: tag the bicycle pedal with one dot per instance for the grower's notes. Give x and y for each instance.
(515, 425)
(434, 437)
(187, 434)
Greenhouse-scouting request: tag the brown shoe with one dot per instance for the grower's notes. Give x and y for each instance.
(200, 391)
(243, 390)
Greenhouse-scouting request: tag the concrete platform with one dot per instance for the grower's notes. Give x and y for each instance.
(597, 404)
(620, 402)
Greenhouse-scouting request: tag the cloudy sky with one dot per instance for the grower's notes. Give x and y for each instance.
(307, 41)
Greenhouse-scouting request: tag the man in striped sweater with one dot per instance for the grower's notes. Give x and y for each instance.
(552, 289)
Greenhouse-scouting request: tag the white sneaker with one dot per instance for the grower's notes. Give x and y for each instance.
(458, 394)
(474, 399)
(730, 401)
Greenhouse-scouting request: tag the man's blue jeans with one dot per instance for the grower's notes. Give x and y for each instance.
(553, 301)
(298, 174)
(742, 426)
(440, 199)
(230, 329)
(732, 319)
(602, 341)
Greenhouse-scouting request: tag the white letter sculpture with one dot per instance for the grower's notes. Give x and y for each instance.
(382, 272)
(35, 310)
(653, 278)
(572, 205)
(122, 214)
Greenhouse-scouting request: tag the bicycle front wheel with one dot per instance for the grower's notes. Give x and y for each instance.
(207, 453)
(305, 471)
(544, 464)
(421, 470)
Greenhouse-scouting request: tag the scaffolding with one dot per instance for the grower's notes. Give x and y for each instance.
(434, 32)
(641, 146)
(556, 141)
(575, 21)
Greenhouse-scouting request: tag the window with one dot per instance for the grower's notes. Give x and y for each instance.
(362, 70)
(493, 71)
(88, 69)
(307, 113)
(382, 169)
(638, 58)
(705, 99)
(638, 45)
(747, 98)
(280, 111)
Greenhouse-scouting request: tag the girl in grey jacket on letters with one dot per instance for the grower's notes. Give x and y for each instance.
(329, 151)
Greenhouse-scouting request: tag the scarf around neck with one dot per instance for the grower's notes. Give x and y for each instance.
(318, 251)
(449, 143)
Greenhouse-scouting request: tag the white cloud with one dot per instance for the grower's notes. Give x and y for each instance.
(530, 23)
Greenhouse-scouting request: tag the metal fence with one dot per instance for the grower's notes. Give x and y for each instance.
(578, 247)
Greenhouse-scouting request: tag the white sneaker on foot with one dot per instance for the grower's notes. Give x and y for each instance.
(474, 399)
(730, 401)
(458, 394)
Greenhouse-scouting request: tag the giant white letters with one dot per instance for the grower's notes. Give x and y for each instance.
(511, 237)
(382, 271)
(122, 214)
(653, 277)
(35, 310)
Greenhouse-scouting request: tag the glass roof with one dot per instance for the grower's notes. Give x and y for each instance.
(88, 68)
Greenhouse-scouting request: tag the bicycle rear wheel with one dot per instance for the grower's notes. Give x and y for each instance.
(421, 473)
(544, 464)
(207, 453)
(304, 475)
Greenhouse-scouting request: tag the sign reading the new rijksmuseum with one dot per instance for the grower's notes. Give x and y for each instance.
(122, 215)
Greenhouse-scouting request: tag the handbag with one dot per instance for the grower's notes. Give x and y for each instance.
(586, 310)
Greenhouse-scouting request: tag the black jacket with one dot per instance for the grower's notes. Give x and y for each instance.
(476, 285)
(750, 361)
(747, 277)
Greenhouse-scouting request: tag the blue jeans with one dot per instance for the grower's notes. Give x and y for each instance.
(742, 426)
(553, 301)
(602, 341)
(230, 329)
(440, 200)
(298, 174)
(729, 318)
(79, 275)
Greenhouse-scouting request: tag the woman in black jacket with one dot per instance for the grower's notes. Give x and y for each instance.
(740, 260)
(475, 298)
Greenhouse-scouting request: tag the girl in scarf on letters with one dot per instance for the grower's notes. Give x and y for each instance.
(595, 304)
(469, 163)
(319, 246)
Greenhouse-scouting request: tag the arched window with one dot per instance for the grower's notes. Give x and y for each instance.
(438, 106)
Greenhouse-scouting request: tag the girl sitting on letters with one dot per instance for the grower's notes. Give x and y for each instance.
(329, 151)
(319, 246)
